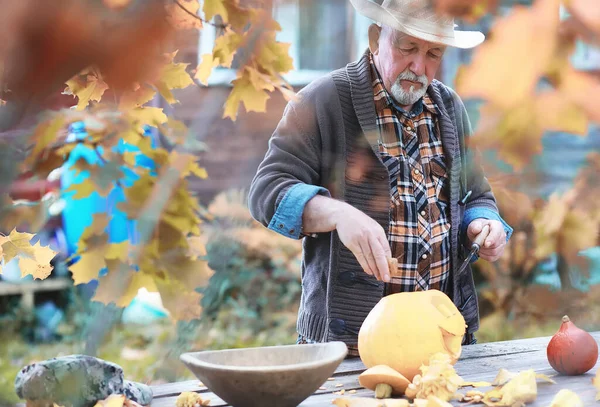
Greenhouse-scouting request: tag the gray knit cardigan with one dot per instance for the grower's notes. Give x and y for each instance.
(326, 131)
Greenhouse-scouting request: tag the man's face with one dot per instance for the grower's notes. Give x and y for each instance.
(406, 64)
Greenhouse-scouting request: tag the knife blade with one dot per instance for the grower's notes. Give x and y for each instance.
(475, 246)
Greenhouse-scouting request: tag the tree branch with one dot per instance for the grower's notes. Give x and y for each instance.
(221, 26)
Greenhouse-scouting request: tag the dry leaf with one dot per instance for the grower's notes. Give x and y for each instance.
(566, 398)
(519, 390)
(190, 399)
(183, 14)
(18, 244)
(212, 8)
(92, 87)
(526, 34)
(39, 267)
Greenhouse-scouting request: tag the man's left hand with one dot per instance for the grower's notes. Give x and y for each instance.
(494, 244)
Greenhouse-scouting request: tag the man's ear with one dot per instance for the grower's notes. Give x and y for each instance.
(374, 35)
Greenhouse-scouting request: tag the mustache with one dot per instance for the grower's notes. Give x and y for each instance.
(410, 76)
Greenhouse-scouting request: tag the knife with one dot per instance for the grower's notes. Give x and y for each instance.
(475, 246)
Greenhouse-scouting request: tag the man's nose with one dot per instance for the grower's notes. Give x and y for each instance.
(418, 65)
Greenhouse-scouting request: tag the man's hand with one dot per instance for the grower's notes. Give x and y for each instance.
(366, 239)
(494, 244)
(362, 235)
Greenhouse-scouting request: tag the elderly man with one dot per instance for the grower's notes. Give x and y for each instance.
(371, 163)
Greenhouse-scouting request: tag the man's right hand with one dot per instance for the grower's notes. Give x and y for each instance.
(366, 239)
(362, 235)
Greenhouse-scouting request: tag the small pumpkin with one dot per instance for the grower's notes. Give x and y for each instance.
(404, 330)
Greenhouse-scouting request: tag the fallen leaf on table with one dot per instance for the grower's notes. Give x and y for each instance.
(190, 399)
(566, 398)
(596, 383)
(503, 377)
(520, 390)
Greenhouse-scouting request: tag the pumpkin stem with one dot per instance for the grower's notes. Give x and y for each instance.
(383, 391)
(566, 318)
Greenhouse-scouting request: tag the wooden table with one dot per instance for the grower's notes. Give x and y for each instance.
(480, 362)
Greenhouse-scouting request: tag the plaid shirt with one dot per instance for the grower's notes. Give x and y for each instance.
(419, 236)
(411, 149)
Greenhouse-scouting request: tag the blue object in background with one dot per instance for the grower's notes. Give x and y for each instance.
(78, 213)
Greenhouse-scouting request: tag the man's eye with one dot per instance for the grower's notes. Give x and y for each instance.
(434, 56)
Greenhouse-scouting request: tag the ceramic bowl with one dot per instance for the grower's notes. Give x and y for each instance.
(271, 376)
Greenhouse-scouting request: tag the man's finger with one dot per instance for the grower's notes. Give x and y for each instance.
(385, 244)
(475, 228)
(493, 252)
(363, 262)
(380, 259)
(496, 237)
(368, 254)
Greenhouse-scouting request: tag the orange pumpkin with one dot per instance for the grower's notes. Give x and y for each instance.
(404, 330)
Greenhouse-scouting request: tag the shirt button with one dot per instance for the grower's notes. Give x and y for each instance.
(417, 172)
(424, 256)
(422, 213)
(408, 128)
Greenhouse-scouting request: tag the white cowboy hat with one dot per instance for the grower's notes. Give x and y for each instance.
(418, 19)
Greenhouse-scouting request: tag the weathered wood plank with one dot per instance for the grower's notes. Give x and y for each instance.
(479, 362)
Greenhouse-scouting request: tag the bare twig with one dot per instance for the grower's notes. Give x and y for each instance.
(221, 26)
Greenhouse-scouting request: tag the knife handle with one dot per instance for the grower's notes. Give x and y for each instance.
(480, 239)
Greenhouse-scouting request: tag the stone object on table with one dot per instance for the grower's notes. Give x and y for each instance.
(77, 381)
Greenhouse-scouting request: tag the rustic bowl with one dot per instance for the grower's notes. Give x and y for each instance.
(271, 376)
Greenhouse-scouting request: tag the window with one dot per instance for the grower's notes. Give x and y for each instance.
(324, 36)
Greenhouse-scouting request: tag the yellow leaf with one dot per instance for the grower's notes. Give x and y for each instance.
(578, 232)
(89, 265)
(114, 400)
(121, 284)
(118, 251)
(244, 92)
(183, 303)
(557, 113)
(183, 14)
(151, 116)
(259, 80)
(172, 76)
(526, 34)
(520, 389)
(596, 383)
(116, 4)
(577, 86)
(566, 398)
(18, 244)
(212, 8)
(274, 56)
(97, 228)
(136, 98)
(45, 133)
(93, 89)
(225, 48)
(197, 247)
(205, 67)
(84, 189)
(39, 267)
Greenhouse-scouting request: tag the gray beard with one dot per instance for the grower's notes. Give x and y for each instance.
(412, 96)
